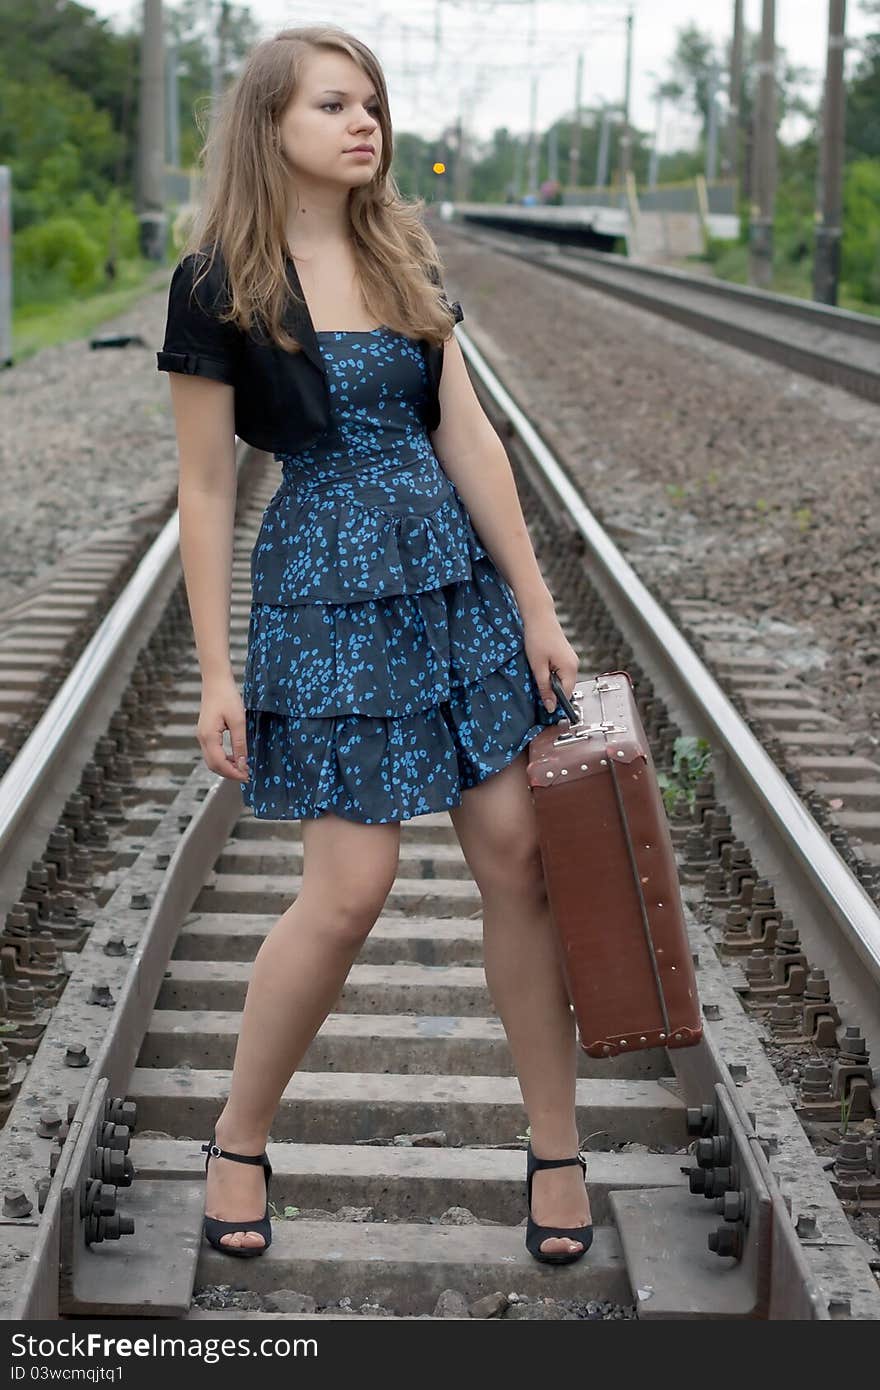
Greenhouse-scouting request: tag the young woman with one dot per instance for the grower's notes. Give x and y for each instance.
(401, 636)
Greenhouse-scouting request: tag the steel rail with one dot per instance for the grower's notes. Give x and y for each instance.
(821, 315)
(37, 783)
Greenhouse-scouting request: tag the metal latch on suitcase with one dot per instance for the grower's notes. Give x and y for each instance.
(574, 707)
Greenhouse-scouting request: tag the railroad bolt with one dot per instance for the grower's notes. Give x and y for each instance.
(852, 1158)
(818, 987)
(76, 1056)
(100, 994)
(713, 1151)
(54, 1158)
(732, 1206)
(736, 926)
(700, 1119)
(114, 1136)
(726, 1240)
(710, 1182)
(162, 861)
(816, 1082)
(806, 1225)
(49, 1124)
(97, 1198)
(140, 902)
(839, 1307)
(114, 946)
(121, 1111)
(112, 1227)
(113, 1166)
(738, 1071)
(853, 1045)
(785, 1016)
(757, 968)
(42, 1186)
(695, 848)
(712, 1011)
(716, 882)
(16, 1203)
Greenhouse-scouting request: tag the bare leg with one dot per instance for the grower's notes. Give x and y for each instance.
(496, 828)
(298, 975)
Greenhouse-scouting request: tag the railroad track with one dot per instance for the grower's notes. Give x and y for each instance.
(398, 1148)
(829, 344)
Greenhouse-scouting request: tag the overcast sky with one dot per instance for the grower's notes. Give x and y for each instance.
(481, 64)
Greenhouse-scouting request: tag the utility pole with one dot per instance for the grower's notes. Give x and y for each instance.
(604, 138)
(712, 126)
(172, 119)
(829, 205)
(218, 67)
(654, 164)
(625, 135)
(730, 162)
(764, 183)
(533, 110)
(5, 266)
(151, 137)
(574, 148)
(553, 153)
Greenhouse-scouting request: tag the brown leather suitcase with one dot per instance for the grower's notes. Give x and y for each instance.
(611, 875)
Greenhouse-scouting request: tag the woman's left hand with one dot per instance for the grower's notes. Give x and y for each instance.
(547, 648)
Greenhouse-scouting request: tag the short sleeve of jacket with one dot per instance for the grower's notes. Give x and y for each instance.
(455, 306)
(196, 341)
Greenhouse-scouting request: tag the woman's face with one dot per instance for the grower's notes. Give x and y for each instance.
(334, 110)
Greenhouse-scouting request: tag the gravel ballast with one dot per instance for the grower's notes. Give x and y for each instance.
(86, 440)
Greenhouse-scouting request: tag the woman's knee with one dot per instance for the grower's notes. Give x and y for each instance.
(510, 865)
(351, 874)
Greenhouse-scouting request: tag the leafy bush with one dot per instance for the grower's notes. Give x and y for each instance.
(860, 267)
(55, 258)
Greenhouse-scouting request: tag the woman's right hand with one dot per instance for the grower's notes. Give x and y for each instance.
(222, 708)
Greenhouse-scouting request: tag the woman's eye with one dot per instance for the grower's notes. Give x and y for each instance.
(374, 110)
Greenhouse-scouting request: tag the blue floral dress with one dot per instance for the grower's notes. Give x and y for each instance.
(385, 669)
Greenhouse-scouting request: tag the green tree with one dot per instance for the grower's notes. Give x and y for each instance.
(863, 95)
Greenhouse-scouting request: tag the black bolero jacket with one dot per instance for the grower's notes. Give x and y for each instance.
(282, 399)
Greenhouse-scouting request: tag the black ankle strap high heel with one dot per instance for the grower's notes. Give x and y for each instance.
(536, 1235)
(215, 1228)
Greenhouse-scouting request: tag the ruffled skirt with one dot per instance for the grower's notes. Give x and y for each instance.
(388, 707)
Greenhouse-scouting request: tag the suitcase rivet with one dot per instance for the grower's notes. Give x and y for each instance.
(659, 904)
(583, 767)
(549, 774)
(678, 1037)
(672, 967)
(606, 1048)
(623, 1042)
(565, 772)
(620, 752)
(644, 1040)
(602, 762)
(662, 1037)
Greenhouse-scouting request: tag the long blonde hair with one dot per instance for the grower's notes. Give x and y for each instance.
(245, 186)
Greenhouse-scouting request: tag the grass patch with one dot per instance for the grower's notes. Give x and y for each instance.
(796, 280)
(37, 326)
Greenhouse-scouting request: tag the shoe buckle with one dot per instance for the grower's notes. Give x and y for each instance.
(213, 1150)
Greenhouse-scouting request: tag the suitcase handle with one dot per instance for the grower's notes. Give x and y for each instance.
(571, 713)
